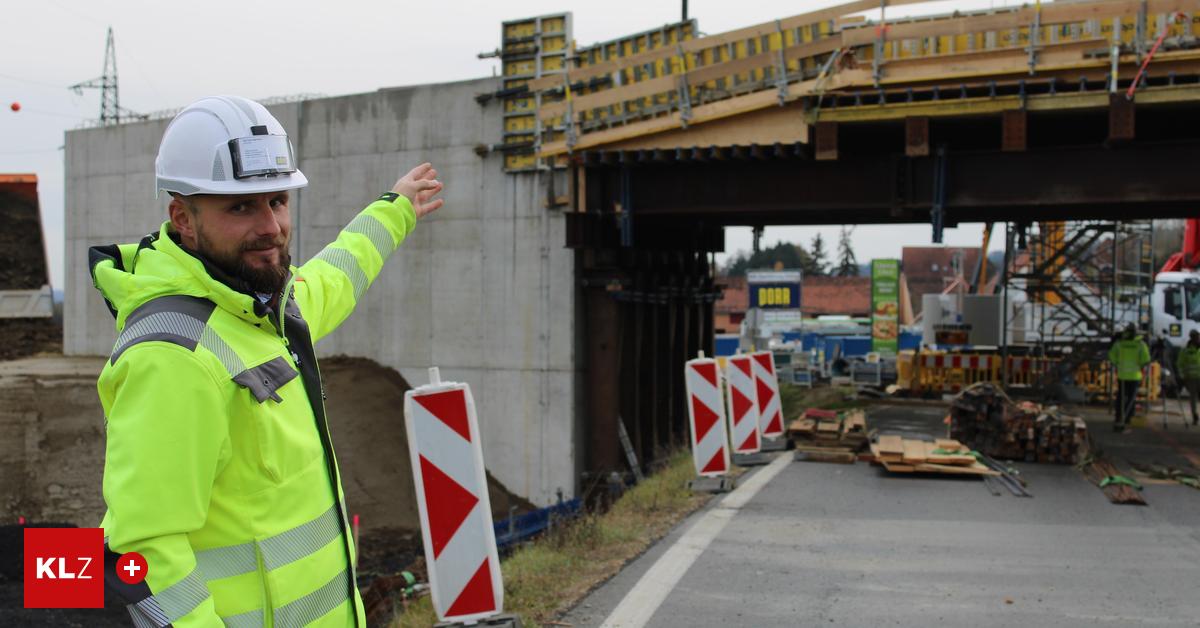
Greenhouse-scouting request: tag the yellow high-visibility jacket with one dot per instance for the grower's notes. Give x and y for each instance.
(1188, 362)
(1129, 357)
(218, 467)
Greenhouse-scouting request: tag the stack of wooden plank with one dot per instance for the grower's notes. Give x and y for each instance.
(826, 436)
(983, 417)
(909, 455)
(826, 428)
(854, 430)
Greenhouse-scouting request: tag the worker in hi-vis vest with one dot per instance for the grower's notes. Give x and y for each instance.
(1129, 355)
(218, 466)
(1188, 367)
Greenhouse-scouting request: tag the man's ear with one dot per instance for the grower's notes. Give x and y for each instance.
(183, 220)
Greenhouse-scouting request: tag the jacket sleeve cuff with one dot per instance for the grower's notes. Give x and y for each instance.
(396, 212)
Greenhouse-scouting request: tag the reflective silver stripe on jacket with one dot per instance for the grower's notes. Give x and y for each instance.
(300, 541)
(375, 231)
(344, 261)
(167, 606)
(181, 320)
(249, 619)
(279, 550)
(311, 607)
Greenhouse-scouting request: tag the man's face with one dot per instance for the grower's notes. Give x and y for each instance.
(246, 235)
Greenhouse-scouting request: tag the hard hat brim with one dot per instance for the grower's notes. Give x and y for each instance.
(257, 185)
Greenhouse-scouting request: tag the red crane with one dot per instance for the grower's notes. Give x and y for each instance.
(1187, 258)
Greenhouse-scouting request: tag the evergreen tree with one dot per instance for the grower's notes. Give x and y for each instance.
(847, 265)
(783, 254)
(820, 261)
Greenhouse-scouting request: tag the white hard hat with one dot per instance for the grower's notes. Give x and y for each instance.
(226, 145)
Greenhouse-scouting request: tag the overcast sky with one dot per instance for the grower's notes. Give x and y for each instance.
(169, 54)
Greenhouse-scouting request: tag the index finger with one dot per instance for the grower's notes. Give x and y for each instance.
(419, 171)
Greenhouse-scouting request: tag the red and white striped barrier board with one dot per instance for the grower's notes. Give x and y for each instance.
(452, 499)
(1025, 365)
(766, 387)
(959, 361)
(710, 449)
(743, 404)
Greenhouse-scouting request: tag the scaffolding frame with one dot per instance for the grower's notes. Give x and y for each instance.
(1068, 287)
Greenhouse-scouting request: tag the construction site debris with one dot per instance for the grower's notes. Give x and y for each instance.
(390, 595)
(1117, 487)
(987, 420)
(1187, 477)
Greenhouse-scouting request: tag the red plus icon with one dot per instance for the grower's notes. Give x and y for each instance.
(131, 568)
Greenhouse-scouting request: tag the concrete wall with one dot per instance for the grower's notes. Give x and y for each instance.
(483, 289)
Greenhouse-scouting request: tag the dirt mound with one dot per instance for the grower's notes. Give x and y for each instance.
(366, 416)
(21, 337)
(22, 251)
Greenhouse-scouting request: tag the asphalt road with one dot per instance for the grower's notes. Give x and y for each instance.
(851, 545)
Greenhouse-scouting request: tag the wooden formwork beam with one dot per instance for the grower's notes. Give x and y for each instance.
(916, 136)
(1013, 134)
(827, 141)
(1121, 117)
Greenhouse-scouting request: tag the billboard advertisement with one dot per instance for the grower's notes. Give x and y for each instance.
(885, 306)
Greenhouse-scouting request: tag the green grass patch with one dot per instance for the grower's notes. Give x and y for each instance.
(544, 578)
(797, 399)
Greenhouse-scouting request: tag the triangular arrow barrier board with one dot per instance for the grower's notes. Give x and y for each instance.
(766, 386)
(710, 448)
(743, 404)
(452, 499)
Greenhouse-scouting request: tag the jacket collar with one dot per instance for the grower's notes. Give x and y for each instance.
(229, 293)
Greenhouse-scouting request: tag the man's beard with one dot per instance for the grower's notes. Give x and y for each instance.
(269, 280)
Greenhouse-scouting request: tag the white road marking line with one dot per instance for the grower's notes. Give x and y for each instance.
(648, 594)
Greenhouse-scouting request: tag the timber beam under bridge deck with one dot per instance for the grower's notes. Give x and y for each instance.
(645, 195)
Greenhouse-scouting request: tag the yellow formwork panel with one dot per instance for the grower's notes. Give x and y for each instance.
(554, 44)
(631, 45)
(518, 105)
(520, 30)
(520, 162)
(518, 124)
(521, 67)
(530, 48)
(1019, 37)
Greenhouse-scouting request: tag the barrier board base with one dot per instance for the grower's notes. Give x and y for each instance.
(751, 460)
(504, 620)
(774, 444)
(716, 484)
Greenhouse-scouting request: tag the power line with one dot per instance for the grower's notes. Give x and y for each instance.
(32, 81)
(57, 114)
(31, 151)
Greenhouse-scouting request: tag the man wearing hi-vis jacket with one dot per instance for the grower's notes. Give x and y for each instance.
(219, 468)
